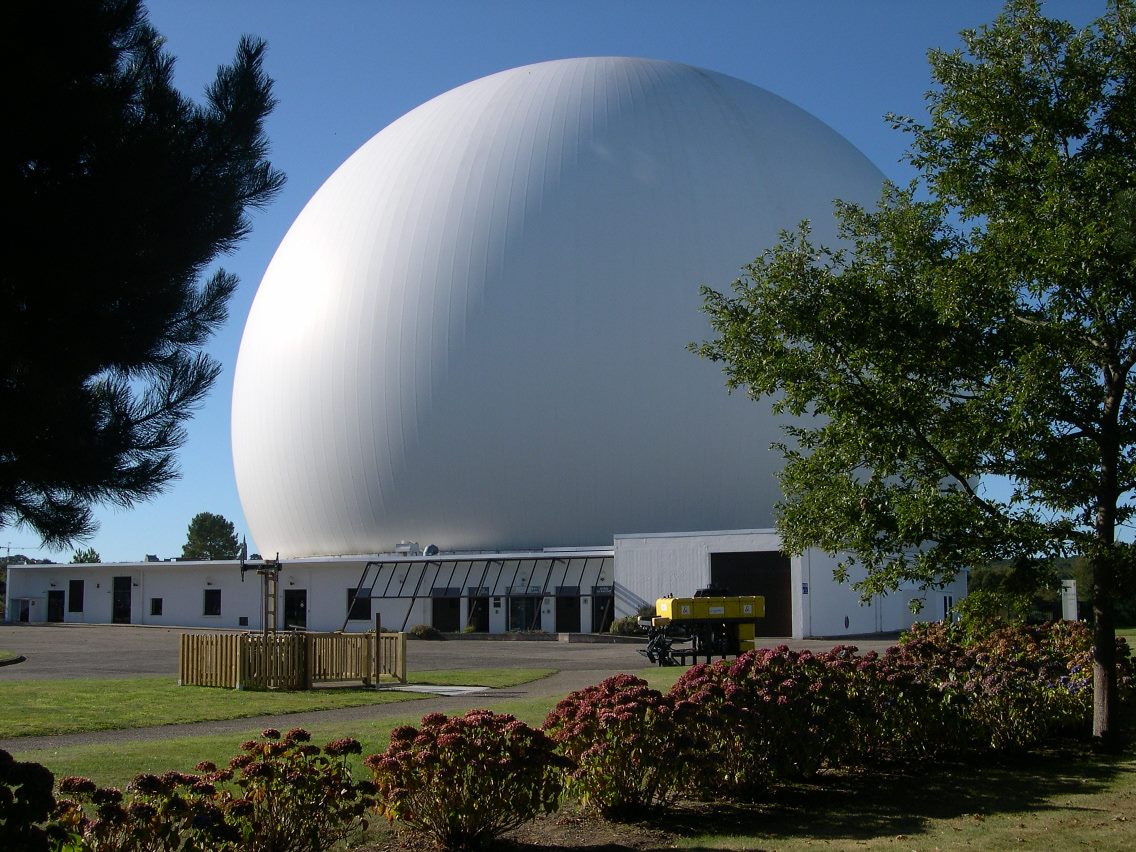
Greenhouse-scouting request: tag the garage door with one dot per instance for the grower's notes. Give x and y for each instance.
(765, 573)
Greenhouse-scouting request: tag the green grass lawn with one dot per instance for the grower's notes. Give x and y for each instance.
(1128, 633)
(117, 764)
(7, 655)
(1061, 798)
(48, 708)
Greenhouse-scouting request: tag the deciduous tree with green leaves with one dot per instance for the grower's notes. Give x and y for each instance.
(210, 536)
(121, 193)
(980, 322)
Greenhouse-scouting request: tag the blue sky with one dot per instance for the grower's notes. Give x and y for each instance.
(344, 70)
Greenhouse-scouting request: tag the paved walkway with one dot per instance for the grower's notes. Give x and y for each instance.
(102, 651)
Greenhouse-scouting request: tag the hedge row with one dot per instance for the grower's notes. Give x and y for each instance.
(731, 729)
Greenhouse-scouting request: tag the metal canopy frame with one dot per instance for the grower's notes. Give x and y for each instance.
(375, 570)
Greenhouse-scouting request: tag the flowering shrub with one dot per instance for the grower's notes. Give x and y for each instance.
(173, 811)
(291, 797)
(1012, 687)
(464, 781)
(928, 659)
(774, 715)
(777, 715)
(622, 737)
(296, 798)
(25, 802)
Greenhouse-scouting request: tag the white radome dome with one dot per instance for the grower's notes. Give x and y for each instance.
(475, 332)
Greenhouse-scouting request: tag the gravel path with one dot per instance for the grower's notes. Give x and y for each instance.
(56, 652)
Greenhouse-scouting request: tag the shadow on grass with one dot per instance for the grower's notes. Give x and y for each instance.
(839, 810)
(902, 800)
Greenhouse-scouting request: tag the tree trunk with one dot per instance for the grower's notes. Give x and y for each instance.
(1104, 653)
(1103, 560)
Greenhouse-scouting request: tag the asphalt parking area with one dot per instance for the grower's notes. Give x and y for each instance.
(60, 651)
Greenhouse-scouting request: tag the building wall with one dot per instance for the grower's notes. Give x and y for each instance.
(833, 609)
(646, 567)
(653, 566)
(182, 588)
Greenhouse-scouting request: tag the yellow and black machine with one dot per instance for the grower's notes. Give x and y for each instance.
(712, 623)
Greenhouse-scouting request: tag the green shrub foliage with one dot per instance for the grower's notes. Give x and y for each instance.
(465, 780)
(983, 611)
(628, 625)
(624, 741)
(26, 801)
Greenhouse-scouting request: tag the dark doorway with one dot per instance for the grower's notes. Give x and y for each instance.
(603, 608)
(446, 615)
(568, 610)
(55, 602)
(766, 573)
(524, 612)
(295, 609)
(75, 596)
(120, 601)
(478, 619)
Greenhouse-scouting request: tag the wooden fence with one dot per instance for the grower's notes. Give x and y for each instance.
(390, 655)
(273, 661)
(289, 660)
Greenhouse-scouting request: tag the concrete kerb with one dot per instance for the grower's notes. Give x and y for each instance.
(571, 638)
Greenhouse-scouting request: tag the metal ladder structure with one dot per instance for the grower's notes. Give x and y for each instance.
(268, 591)
(269, 572)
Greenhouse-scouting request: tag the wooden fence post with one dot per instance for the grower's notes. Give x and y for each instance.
(379, 666)
(309, 664)
(242, 664)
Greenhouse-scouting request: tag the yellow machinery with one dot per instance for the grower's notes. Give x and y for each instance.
(714, 622)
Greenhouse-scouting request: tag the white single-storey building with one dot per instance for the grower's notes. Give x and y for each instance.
(574, 590)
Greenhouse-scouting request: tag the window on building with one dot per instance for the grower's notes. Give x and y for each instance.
(212, 602)
(358, 609)
(75, 596)
(524, 613)
(155, 606)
